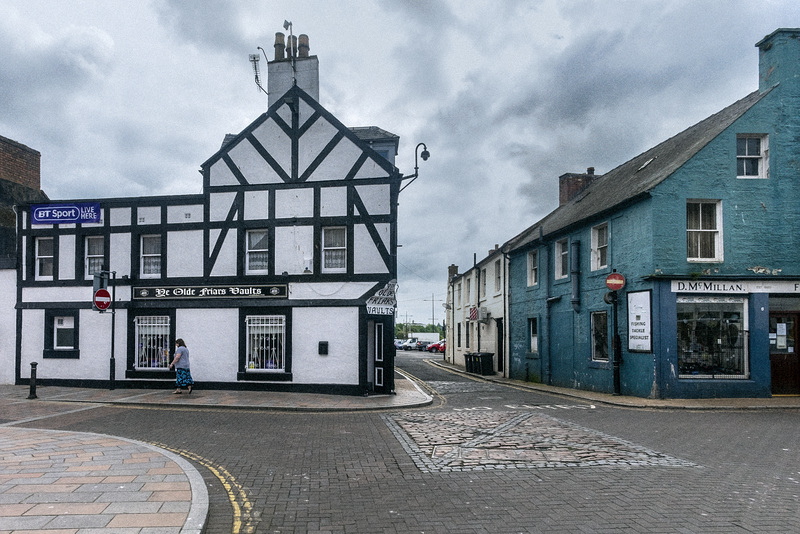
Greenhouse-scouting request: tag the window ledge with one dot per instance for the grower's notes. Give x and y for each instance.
(73, 354)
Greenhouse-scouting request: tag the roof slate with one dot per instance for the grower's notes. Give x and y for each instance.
(637, 176)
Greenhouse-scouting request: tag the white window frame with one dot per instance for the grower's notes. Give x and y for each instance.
(63, 323)
(43, 259)
(693, 234)
(482, 289)
(600, 239)
(143, 256)
(533, 268)
(533, 331)
(334, 249)
(498, 279)
(596, 356)
(252, 252)
(562, 259)
(458, 290)
(152, 342)
(467, 289)
(91, 257)
(744, 154)
(265, 343)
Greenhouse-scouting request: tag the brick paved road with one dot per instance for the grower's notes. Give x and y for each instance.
(487, 459)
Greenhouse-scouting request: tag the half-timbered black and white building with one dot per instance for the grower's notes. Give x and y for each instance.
(279, 275)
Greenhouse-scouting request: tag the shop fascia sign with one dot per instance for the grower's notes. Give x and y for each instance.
(211, 292)
(68, 213)
(735, 287)
(384, 301)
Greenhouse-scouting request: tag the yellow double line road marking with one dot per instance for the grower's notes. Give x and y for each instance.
(244, 521)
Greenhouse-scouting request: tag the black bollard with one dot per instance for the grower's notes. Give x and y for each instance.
(33, 381)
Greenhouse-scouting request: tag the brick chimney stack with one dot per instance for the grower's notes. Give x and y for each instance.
(292, 65)
(571, 185)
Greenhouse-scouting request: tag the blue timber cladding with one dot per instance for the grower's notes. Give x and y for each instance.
(755, 268)
(239, 271)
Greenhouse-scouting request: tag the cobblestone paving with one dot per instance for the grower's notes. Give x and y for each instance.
(457, 441)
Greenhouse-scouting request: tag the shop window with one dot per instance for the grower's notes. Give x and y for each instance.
(152, 342)
(334, 250)
(266, 343)
(600, 337)
(562, 259)
(61, 334)
(257, 252)
(712, 337)
(94, 255)
(600, 247)
(704, 230)
(533, 268)
(45, 258)
(752, 156)
(151, 256)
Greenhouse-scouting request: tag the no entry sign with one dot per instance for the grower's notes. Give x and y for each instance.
(615, 281)
(102, 299)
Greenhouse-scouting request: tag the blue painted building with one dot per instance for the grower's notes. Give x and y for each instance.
(705, 228)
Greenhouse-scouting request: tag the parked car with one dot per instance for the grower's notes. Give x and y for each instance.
(398, 344)
(438, 346)
(410, 344)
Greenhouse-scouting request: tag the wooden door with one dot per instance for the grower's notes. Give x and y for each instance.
(783, 356)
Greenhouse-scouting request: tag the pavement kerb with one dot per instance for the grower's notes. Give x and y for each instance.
(624, 401)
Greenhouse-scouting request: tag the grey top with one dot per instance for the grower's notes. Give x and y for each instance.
(182, 353)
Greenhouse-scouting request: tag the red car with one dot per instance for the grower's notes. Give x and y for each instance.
(438, 346)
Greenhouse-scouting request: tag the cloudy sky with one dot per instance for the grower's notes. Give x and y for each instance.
(129, 98)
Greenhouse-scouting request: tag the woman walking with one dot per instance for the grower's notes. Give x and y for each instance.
(183, 377)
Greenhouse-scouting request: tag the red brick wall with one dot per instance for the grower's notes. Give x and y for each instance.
(20, 164)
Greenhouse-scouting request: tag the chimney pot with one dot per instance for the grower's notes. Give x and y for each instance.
(303, 47)
(590, 170)
(280, 46)
(292, 46)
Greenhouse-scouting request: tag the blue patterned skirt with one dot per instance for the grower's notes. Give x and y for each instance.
(183, 378)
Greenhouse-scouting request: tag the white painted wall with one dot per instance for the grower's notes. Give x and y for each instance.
(120, 254)
(367, 259)
(185, 253)
(256, 205)
(337, 326)
(272, 137)
(339, 161)
(8, 324)
(294, 247)
(185, 214)
(333, 201)
(294, 203)
(211, 335)
(148, 215)
(220, 205)
(376, 198)
(120, 217)
(226, 261)
(252, 165)
(66, 257)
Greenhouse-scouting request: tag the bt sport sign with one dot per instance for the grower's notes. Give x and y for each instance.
(82, 212)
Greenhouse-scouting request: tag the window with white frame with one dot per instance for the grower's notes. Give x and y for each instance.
(334, 249)
(45, 258)
(458, 335)
(562, 259)
(712, 337)
(498, 272)
(151, 256)
(600, 337)
(64, 333)
(266, 343)
(468, 336)
(600, 247)
(533, 330)
(533, 268)
(482, 290)
(704, 230)
(752, 156)
(152, 341)
(257, 254)
(458, 292)
(93, 261)
(467, 290)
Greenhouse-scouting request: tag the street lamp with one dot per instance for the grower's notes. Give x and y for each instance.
(425, 155)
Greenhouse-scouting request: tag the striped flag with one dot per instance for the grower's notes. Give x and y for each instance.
(473, 314)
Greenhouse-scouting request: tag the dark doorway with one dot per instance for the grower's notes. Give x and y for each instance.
(783, 356)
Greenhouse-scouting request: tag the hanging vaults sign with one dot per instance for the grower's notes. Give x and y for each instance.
(384, 301)
(211, 292)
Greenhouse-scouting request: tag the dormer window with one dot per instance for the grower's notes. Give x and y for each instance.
(752, 156)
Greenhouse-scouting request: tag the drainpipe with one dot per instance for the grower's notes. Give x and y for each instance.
(575, 271)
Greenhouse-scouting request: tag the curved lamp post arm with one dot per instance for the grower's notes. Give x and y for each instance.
(425, 155)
